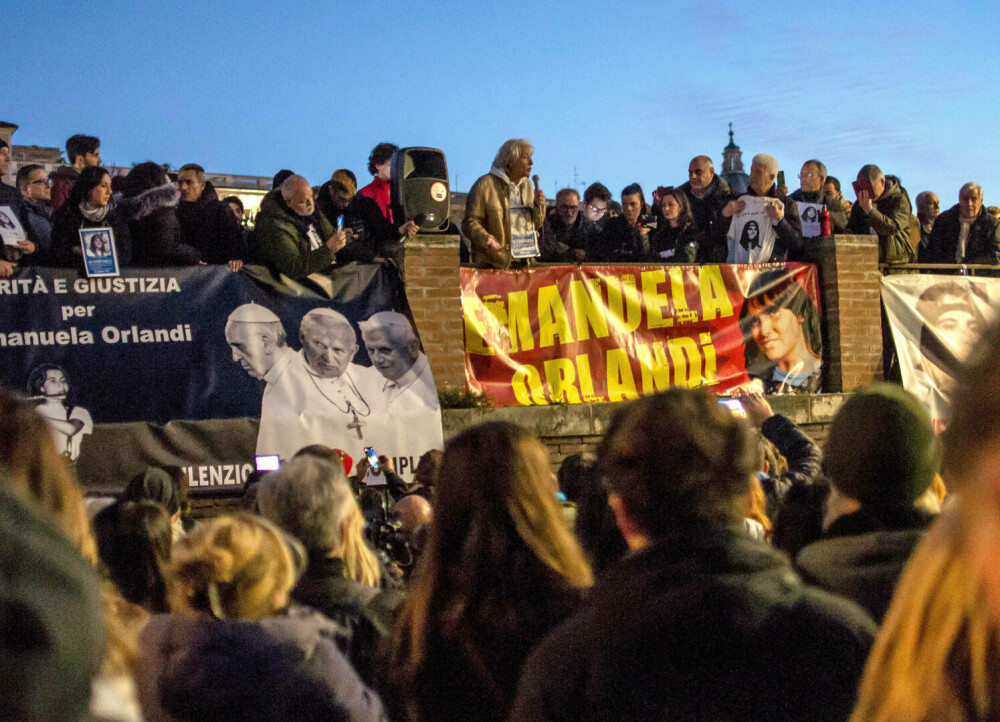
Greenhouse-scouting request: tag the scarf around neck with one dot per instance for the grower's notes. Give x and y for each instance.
(95, 215)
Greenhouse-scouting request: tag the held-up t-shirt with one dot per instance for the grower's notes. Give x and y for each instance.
(751, 235)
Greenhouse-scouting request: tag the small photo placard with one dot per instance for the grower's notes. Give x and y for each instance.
(100, 258)
(10, 227)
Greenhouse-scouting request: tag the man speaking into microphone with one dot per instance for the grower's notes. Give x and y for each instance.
(503, 213)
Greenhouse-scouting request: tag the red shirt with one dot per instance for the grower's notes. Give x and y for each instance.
(379, 191)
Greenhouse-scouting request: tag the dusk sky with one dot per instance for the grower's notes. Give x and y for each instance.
(615, 92)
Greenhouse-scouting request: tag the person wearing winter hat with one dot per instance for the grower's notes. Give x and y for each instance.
(881, 457)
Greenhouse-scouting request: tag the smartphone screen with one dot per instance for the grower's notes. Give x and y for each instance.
(372, 460)
(735, 407)
(340, 223)
(267, 462)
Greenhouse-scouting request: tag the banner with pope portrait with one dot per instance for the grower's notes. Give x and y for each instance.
(204, 369)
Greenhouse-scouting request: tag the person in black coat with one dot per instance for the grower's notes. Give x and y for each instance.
(676, 239)
(206, 223)
(90, 205)
(149, 199)
(699, 621)
(882, 456)
(982, 242)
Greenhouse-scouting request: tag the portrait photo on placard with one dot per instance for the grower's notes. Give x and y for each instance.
(99, 255)
(10, 227)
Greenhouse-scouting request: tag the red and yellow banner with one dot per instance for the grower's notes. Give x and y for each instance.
(585, 334)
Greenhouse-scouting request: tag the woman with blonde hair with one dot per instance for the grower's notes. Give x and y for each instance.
(499, 571)
(232, 647)
(937, 656)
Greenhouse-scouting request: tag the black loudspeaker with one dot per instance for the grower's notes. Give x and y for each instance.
(420, 187)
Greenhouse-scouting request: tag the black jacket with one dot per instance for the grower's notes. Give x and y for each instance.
(674, 245)
(66, 224)
(155, 233)
(709, 219)
(619, 241)
(862, 555)
(209, 226)
(982, 245)
(706, 625)
(555, 231)
(805, 460)
(365, 612)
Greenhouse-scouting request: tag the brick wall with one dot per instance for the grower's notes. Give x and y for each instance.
(432, 288)
(849, 292)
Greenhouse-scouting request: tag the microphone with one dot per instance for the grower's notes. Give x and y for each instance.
(534, 179)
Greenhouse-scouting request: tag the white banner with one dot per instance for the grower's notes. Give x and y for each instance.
(936, 320)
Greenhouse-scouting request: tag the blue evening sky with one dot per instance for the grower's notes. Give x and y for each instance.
(615, 92)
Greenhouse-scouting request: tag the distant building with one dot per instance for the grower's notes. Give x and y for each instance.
(732, 166)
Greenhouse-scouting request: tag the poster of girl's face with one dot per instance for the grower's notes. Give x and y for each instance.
(11, 231)
(99, 255)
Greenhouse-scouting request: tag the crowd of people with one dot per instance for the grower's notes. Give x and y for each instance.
(707, 562)
(159, 220)
(154, 219)
(704, 221)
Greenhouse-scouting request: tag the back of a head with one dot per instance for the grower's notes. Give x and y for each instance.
(52, 634)
(496, 498)
(882, 450)
(309, 498)
(144, 177)
(154, 484)
(246, 672)
(238, 566)
(33, 468)
(133, 544)
(973, 433)
(280, 177)
(679, 459)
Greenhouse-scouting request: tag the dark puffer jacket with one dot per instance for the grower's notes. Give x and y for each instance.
(155, 233)
(705, 625)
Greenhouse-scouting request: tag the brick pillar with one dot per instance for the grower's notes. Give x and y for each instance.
(432, 287)
(850, 294)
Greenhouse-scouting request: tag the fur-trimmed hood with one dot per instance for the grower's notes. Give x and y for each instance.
(150, 201)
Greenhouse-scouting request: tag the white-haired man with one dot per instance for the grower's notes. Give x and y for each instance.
(257, 339)
(502, 212)
(290, 236)
(765, 225)
(965, 233)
